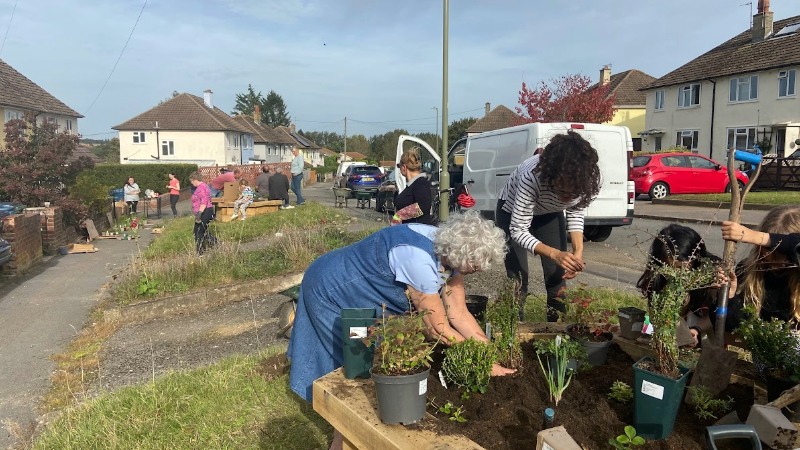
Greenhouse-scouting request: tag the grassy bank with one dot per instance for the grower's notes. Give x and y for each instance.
(240, 402)
(755, 198)
(606, 298)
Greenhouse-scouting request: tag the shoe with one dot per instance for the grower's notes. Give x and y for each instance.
(243, 217)
(281, 207)
(289, 207)
(233, 217)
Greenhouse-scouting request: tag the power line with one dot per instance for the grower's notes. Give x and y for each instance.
(98, 134)
(118, 58)
(8, 28)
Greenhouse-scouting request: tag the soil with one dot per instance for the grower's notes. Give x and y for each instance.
(509, 415)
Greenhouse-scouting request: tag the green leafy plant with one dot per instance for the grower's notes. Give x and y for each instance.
(147, 286)
(468, 364)
(454, 412)
(705, 405)
(90, 192)
(590, 320)
(503, 316)
(773, 345)
(562, 349)
(400, 343)
(628, 440)
(621, 392)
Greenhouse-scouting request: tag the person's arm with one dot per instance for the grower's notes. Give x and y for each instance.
(436, 324)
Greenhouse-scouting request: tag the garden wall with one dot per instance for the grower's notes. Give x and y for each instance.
(24, 233)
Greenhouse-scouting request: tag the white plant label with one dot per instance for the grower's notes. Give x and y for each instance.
(489, 331)
(423, 387)
(441, 379)
(652, 389)
(637, 326)
(358, 332)
(546, 446)
(558, 340)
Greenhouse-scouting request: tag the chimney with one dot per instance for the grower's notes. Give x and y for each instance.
(488, 108)
(762, 22)
(605, 75)
(257, 115)
(208, 98)
(292, 127)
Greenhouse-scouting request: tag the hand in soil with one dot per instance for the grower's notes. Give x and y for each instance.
(500, 371)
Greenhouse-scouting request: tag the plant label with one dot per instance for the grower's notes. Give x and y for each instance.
(358, 332)
(546, 446)
(489, 330)
(423, 387)
(441, 379)
(652, 389)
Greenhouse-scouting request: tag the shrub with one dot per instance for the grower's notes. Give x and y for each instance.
(773, 345)
(91, 193)
(147, 176)
(621, 392)
(705, 405)
(503, 314)
(400, 344)
(468, 364)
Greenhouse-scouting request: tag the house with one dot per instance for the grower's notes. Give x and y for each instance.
(738, 94)
(185, 129)
(494, 119)
(630, 101)
(326, 153)
(20, 96)
(309, 149)
(351, 156)
(270, 145)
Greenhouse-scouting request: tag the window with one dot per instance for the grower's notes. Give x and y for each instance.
(138, 137)
(233, 140)
(687, 138)
(167, 148)
(744, 89)
(786, 83)
(701, 163)
(658, 143)
(660, 99)
(12, 115)
(742, 138)
(674, 161)
(689, 96)
(69, 126)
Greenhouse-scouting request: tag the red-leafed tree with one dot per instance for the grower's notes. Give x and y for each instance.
(36, 166)
(570, 98)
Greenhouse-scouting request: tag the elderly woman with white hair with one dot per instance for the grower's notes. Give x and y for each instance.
(419, 259)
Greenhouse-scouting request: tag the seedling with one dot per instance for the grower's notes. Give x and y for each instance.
(621, 392)
(628, 440)
(454, 412)
(503, 314)
(706, 406)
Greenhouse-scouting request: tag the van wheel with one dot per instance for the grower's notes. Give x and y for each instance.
(659, 190)
(598, 233)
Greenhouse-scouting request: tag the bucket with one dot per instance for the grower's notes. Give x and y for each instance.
(476, 305)
(656, 401)
(750, 158)
(356, 355)
(62, 250)
(631, 321)
(401, 398)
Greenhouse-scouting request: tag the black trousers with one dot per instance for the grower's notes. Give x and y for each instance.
(551, 230)
(173, 202)
(132, 206)
(201, 231)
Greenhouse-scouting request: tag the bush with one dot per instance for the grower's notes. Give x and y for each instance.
(147, 176)
(91, 193)
(468, 364)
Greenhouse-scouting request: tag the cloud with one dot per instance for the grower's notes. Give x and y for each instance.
(277, 11)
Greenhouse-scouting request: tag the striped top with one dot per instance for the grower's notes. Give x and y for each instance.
(525, 197)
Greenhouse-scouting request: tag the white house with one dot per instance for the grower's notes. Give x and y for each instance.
(740, 93)
(185, 129)
(270, 145)
(19, 96)
(310, 150)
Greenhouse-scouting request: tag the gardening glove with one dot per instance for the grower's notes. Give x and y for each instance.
(197, 217)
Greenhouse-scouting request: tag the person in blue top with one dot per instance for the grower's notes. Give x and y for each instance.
(297, 175)
(419, 260)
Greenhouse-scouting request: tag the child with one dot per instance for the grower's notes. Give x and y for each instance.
(244, 200)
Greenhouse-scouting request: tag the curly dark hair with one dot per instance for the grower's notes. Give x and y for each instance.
(570, 161)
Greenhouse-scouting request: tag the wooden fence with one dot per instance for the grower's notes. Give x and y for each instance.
(779, 174)
(251, 171)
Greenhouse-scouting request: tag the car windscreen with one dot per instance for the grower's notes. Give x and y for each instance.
(365, 170)
(641, 161)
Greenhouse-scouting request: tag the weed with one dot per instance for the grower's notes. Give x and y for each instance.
(628, 440)
(705, 405)
(147, 286)
(456, 414)
(621, 392)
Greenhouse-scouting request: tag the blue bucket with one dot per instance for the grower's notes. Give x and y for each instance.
(747, 157)
(117, 194)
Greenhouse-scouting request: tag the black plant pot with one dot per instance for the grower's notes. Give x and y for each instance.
(631, 322)
(596, 352)
(476, 305)
(775, 387)
(401, 398)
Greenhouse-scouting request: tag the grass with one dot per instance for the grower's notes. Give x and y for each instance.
(606, 298)
(227, 405)
(754, 198)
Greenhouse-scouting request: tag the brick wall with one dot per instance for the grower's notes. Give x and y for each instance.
(54, 233)
(24, 233)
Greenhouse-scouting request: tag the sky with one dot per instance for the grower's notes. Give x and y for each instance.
(378, 63)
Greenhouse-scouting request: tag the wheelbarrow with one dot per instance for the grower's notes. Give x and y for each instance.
(715, 433)
(286, 312)
(363, 199)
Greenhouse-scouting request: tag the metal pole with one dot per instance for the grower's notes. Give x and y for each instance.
(437, 128)
(345, 136)
(444, 179)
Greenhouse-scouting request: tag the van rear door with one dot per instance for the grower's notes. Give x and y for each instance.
(612, 145)
(432, 162)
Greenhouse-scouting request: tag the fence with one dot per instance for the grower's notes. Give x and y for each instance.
(779, 174)
(251, 171)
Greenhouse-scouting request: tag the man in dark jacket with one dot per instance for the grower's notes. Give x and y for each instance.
(279, 188)
(262, 182)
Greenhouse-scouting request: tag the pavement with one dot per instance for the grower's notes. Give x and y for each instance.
(692, 214)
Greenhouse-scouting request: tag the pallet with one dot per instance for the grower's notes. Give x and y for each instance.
(81, 248)
(103, 236)
(224, 210)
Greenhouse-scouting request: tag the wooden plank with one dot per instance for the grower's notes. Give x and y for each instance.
(93, 234)
(81, 248)
(110, 218)
(350, 406)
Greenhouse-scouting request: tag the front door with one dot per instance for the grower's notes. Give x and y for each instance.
(780, 143)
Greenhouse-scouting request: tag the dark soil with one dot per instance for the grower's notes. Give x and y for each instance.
(509, 415)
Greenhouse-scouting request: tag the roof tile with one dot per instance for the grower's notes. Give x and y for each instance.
(499, 117)
(17, 90)
(626, 86)
(185, 112)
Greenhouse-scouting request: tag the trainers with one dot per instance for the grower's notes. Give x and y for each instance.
(243, 217)
(233, 217)
(289, 207)
(281, 207)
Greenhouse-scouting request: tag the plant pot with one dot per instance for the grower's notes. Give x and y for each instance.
(401, 398)
(63, 250)
(596, 352)
(656, 401)
(775, 387)
(476, 305)
(357, 356)
(572, 363)
(631, 322)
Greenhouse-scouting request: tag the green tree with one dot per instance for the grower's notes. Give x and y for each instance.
(108, 151)
(358, 143)
(384, 146)
(457, 129)
(274, 111)
(246, 102)
(430, 139)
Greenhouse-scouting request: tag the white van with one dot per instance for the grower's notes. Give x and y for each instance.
(484, 161)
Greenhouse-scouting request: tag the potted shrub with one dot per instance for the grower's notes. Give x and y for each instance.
(659, 381)
(774, 346)
(592, 324)
(562, 355)
(401, 366)
(468, 365)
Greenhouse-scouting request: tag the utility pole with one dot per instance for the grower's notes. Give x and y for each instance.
(437, 128)
(345, 135)
(444, 179)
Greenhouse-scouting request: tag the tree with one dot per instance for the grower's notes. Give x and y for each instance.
(458, 128)
(570, 98)
(358, 143)
(274, 111)
(174, 94)
(35, 166)
(246, 102)
(108, 151)
(430, 138)
(383, 147)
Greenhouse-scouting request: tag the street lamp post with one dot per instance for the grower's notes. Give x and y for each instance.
(437, 128)
(444, 179)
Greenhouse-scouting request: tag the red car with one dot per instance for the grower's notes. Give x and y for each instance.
(661, 174)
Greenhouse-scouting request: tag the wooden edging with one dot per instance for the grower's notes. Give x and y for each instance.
(182, 304)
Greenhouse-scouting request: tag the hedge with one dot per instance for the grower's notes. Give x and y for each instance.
(147, 176)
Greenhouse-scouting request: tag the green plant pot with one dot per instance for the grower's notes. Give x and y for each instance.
(401, 398)
(631, 322)
(656, 401)
(357, 356)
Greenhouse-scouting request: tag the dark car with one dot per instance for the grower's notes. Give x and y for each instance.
(363, 178)
(384, 199)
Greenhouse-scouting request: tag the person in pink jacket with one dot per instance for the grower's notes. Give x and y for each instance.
(203, 213)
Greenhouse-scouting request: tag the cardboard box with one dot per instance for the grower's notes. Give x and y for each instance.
(230, 192)
(120, 208)
(556, 439)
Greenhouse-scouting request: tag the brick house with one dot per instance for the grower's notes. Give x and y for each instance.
(494, 119)
(630, 101)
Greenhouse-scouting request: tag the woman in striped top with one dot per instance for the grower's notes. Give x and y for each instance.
(530, 209)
